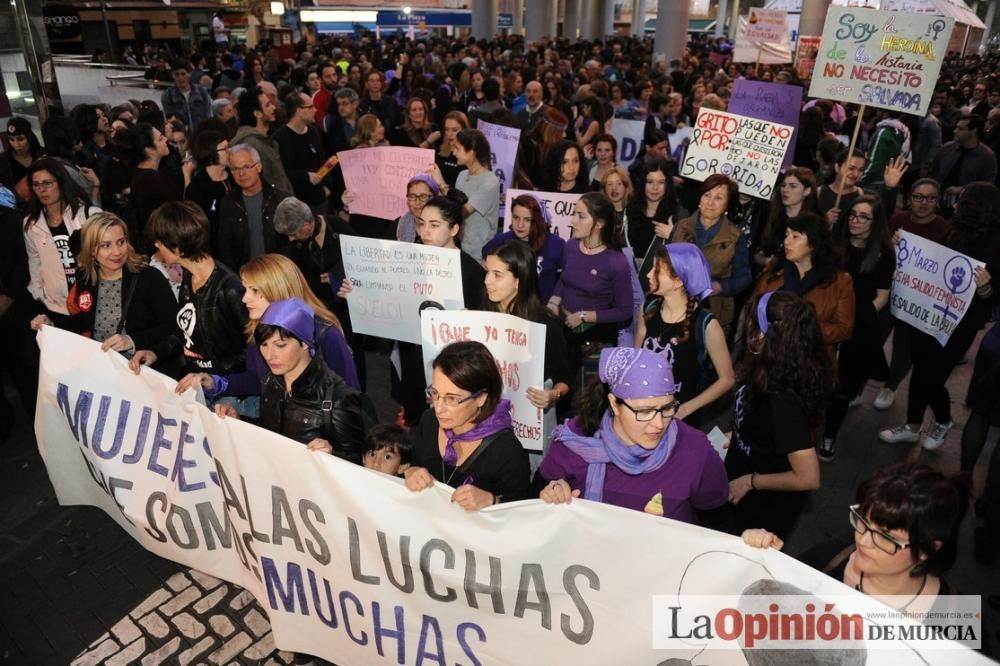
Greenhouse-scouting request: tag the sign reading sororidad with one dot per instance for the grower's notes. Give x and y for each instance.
(886, 59)
(376, 177)
(391, 282)
(518, 345)
(351, 566)
(561, 207)
(748, 150)
(933, 286)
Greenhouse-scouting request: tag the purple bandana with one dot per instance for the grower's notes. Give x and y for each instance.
(636, 373)
(492, 424)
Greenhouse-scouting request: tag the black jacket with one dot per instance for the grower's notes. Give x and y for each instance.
(148, 316)
(234, 227)
(321, 405)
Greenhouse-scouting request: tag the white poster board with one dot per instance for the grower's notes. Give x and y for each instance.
(561, 207)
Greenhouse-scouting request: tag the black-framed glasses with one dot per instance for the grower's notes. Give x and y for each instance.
(422, 198)
(864, 217)
(449, 399)
(243, 169)
(921, 198)
(43, 184)
(885, 542)
(646, 414)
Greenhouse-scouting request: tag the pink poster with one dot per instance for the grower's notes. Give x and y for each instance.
(376, 178)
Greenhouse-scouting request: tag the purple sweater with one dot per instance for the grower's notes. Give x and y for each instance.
(335, 351)
(599, 282)
(692, 478)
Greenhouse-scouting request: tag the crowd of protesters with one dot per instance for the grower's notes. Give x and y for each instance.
(201, 237)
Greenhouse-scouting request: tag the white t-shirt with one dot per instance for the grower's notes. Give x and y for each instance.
(220, 29)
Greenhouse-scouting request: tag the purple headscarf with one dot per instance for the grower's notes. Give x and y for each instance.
(691, 267)
(636, 373)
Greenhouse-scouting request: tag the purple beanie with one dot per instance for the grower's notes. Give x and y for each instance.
(294, 316)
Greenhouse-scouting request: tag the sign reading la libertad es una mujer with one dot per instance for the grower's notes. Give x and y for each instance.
(886, 59)
(391, 282)
(748, 150)
(933, 286)
(351, 566)
(518, 345)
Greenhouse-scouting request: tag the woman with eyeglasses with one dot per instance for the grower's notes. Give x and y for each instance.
(465, 440)
(781, 398)
(625, 448)
(905, 523)
(421, 189)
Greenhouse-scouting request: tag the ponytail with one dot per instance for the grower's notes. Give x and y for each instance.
(591, 403)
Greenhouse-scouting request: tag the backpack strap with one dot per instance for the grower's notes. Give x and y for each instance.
(703, 318)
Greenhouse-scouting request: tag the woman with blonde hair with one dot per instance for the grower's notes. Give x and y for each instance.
(370, 132)
(417, 130)
(267, 279)
(617, 186)
(117, 298)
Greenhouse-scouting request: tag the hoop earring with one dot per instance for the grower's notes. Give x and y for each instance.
(758, 343)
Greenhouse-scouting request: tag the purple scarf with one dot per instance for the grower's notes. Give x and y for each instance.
(492, 424)
(606, 447)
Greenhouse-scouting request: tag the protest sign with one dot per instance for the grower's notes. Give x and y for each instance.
(628, 134)
(679, 141)
(392, 281)
(503, 147)
(763, 37)
(518, 345)
(777, 102)
(748, 150)
(879, 58)
(933, 286)
(351, 566)
(376, 177)
(806, 49)
(560, 205)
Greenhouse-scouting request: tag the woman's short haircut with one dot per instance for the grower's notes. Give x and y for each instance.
(291, 215)
(717, 179)
(470, 366)
(182, 227)
(206, 147)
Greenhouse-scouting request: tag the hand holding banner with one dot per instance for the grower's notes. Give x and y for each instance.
(376, 177)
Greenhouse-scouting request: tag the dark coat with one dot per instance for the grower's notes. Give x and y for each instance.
(234, 227)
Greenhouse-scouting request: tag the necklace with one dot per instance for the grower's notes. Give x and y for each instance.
(588, 247)
(860, 588)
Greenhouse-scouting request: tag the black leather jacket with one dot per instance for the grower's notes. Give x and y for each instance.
(234, 229)
(320, 405)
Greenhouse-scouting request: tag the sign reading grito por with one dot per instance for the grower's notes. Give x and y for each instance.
(933, 286)
(518, 345)
(886, 59)
(391, 282)
(748, 150)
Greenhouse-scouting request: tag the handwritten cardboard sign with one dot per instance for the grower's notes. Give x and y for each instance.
(561, 207)
(777, 102)
(767, 25)
(393, 281)
(518, 345)
(890, 60)
(376, 177)
(748, 150)
(933, 286)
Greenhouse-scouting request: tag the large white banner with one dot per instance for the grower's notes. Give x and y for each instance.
(354, 568)
(503, 148)
(518, 345)
(748, 150)
(880, 58)
(933, 286)
(628, 134)
(561, 207)
(392, 281)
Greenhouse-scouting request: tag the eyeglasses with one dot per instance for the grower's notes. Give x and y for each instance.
(43, 184)
(645, 414)
(886, 543)
(864, 217)
(422, 198)
(920, 198)
(242, 169)
(449, 400)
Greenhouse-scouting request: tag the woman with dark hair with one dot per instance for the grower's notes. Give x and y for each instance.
(512, 288)
(24, 149)
(594, 296)
(626, 447)
(417, 130)
(722, 243)
(62, 142)
(675, 324)
(906, 521)
(253, 72)
(972, 233)
(794, 195)
(211, 181)
(589, 120)
(56, 209)
(302, 398)
(117, 298)
(784, 385)
(445, 159)
(145, 146)
(651, 213)
(529, 222)
(473, 97)
(482, 188)
(605, 149)
(809, 270)
(211, 319)
(536, 144)
(564, 169)
(862, 242)
(465, 440)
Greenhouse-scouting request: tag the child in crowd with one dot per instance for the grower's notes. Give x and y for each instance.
(387, 449)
